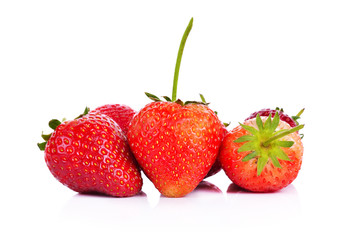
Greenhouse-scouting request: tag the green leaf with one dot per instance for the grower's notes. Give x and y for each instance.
(180, 102)
(250, 129)
(167, 98)
(261, 164)
(152, 97)
(195, 102)
(282, 133)
(249, 146)
(281, 154)
(54, 123)
(285, 144)
(259, 123)
(244, 138)
(275, 122)
(267, 124)
(249, 156)
(279, 132)
(300, 112)
(46, 136)
(42, 146)
(202, 98)
(85, 112)
(297, 117)
(275, 161)
(226, 124)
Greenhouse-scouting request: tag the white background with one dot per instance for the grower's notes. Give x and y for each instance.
(56, 57)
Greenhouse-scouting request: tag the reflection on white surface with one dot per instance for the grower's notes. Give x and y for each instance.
(104, 210)
(207, 207)
(266, 208)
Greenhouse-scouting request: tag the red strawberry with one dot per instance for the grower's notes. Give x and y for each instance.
(175, 143)
(292, 121)
(91, 154)
(121, 114)
(217, 165)
(262, 155)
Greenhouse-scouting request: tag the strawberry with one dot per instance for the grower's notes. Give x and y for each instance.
(262, 155)
(175, 143)
(292, 121)
(217, 165)
(120, 113)
(91, 154)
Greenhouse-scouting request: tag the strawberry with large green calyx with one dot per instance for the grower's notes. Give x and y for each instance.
(263, 154)
(265, 142)
(175, 142)
(91, 154)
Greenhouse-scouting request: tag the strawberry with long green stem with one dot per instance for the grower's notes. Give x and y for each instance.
(175, 142)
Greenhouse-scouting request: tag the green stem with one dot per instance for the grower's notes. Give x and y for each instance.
(179, 58)
(282, 134)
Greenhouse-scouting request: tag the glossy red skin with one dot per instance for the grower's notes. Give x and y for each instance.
(244, 174)
(175, 145)
(266, 112)
(120, 113)
(216, 167)
(91, 154)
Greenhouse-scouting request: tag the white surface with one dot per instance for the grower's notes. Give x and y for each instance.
(56, 57)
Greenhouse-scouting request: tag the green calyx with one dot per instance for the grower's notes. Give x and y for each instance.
(177, 70)
(294, 118)
(297, 117)
(265, 143)
(53, 124)
(178, 101)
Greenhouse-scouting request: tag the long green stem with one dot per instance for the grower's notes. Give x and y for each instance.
(282, 134)
(179, 58)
